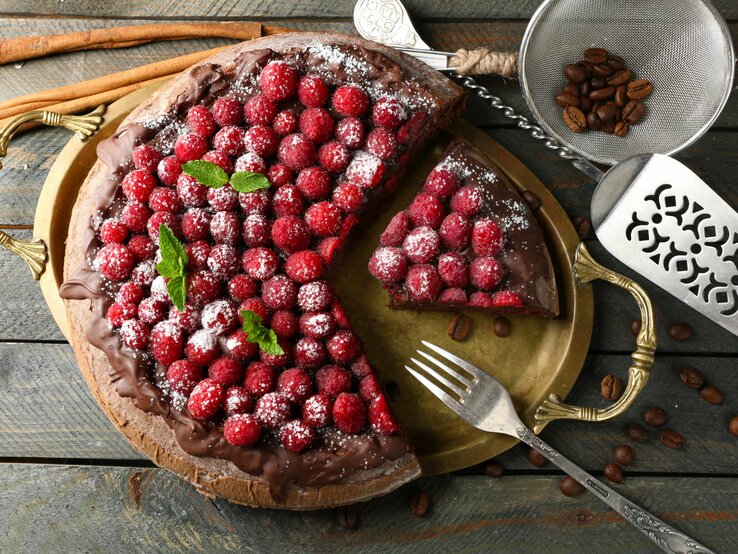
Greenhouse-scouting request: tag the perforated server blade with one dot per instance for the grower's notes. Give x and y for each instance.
(659, 218)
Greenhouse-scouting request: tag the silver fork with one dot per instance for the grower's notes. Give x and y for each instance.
(483, 402)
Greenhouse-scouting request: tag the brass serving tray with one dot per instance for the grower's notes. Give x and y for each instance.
(538, 363)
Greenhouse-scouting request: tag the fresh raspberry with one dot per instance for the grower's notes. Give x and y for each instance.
(349, 413)
(152, 310)
(296, 151)
(388, 112)
(201, 121)
(290, 234)
(146, 157)
(317, 325)
(316, 124)
(252, 163)
(388, 264)
(295, 384)
(113, 231)
(195, 225)
(369, 388)
(423, 283)
(332, 380)
(190, 146)
(396, 231)
(421, 245)
(219, 317)
(183, 376)
(159, 290)
(507, 298)
(206, 399)
(197, 254)
(366, 170)
(339, 316)
(279, 293)
(134, 334)
(256, 230)
(257, 202)
(333, 156)
(241, 429)
(230, 140)
(467, 201)
(115, 262)
(442, 182)
(361, 366)
(453, 296)
(202, 288)
(129, 293)
(380, 417)
(455, 232)
(323, 219)
(487, 239)
(314, 183)
(144, 273)
(348, 223)
(296, 436)
(343, 347)
(284, 323)
(239, 346)
(382, 143)
(350, 101)
(279, 360)
(304, 266)
(310, 353)
(312, 91)
(166, 342)
(348, 196)
(165, 199)
(261, 140)
(135, 215)
(169, 169)
(225, 228)
(241, 287)
(452, 268)
(285, 123)
(260, 263)
(225, 371)
(411, 130)
(189, 319)
(327, 248)
(259, 110)
(227, 111)
(138, 184)
(190, 192)
(288, 200)
(220, 159)
(426, 210)
(315, 297)
(260, 378)
(278, 80)
(350, 132)
(272, 410)
(141, 247)
(480, 299)
(237, 400)
(118, 312)
(279, 175)
(158, 219)
(224, 261)
(485, 273)
(316, 411)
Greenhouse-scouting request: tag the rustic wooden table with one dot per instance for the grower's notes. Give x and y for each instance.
(70, 482)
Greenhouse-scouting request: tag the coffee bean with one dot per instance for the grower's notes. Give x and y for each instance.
(575, 119)
(585, 88)
(639, 89)
(536, 459)
(531, 199)
(602, 70)
(711, 394)
(635, 327)
(608, 126)
(348, 517)
(607, 112)
(572, 89)
(583, 226)
(587, 66)
(419, 503)
(621, 129)
(633, 112)
(620, 78)
(595, 55)
(593, 122)
(655, 416)
(570, 486)
(671, 439)
(624, 454)
(459, 327)
(597, 83)
(636, 432)
(575, 73)
(692, 377)
(611, 387)
(614, 473)
(602, 94)
(733, 426)
(493, 470)
(565, 99)
(680, 331)
(616, 62)
(501, 327)
(585, 104)
(621, 96)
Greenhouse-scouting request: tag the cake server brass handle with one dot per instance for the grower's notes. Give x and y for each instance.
(586, 269)
(33, 252)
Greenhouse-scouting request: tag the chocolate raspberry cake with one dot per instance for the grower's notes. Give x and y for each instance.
(201, 308)
(467, 241)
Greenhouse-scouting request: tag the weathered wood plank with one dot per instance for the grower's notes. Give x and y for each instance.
(151, 510)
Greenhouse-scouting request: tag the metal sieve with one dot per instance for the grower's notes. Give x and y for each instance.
(682, 46)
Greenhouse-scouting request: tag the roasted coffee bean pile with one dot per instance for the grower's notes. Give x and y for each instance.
(602, 94)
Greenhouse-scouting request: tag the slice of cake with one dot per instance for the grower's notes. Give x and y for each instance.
(467, 241)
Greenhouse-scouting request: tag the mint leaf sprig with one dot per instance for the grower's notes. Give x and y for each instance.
(259, 334)
(173, 266)
(213, 176)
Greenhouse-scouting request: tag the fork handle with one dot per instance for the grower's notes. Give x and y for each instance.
(666, 537)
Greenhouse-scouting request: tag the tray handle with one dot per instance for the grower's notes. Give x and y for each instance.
(586, 269)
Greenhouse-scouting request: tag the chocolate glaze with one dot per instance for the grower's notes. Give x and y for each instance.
(338, 455)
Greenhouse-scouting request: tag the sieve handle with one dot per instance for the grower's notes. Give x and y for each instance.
(583, 165)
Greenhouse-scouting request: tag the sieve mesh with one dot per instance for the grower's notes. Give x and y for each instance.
(681, 46)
